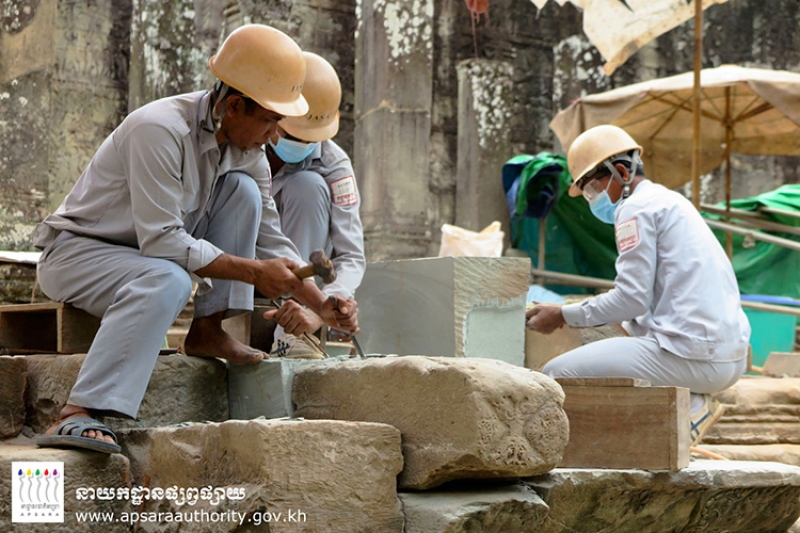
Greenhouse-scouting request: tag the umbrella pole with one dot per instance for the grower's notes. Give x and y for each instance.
(698, 59)
(728, 140)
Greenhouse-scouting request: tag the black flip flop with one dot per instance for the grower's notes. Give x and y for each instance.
(68, 435)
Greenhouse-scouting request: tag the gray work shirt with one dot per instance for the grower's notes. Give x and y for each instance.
(674, 281)
(346, 232)
(151, 181)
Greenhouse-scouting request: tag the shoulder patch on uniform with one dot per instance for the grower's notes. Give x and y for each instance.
(627, 234)
(343, 191)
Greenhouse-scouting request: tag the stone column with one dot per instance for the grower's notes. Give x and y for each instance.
(394, 86)
(63, 74)
(485, 105)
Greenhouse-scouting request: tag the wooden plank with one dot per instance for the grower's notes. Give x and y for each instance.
(603, 382)
(627, 427)
(49, 327)
(75, 330)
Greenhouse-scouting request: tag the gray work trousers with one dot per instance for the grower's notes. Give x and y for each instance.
(304, 203)
(139, 298)
(642, 358)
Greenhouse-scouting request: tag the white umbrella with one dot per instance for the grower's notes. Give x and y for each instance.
(619, 28)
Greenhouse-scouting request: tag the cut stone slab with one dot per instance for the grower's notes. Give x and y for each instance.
(460, 418)
(445, 306)
(782, 364)
(13, 379)
(265, 389)
(729, 496)
(81, 470)
(504, 509)
(340, 475)
(779, 453)
(181, 389)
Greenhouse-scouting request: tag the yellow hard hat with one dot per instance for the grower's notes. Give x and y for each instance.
(323, 92)
(594, 146)
(265, 65)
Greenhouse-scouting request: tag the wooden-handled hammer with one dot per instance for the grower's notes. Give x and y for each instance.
(320, 266)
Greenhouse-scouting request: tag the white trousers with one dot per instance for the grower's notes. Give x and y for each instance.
(139, 298)
(642, 358)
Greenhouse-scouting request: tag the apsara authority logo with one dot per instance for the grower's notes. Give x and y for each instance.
(37, 491)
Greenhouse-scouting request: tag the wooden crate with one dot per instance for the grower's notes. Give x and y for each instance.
(50, 327)
(625, 423)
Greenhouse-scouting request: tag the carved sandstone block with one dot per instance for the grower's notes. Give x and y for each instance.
(461, 418)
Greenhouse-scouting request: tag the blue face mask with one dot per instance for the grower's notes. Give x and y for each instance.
(292, 151)
(603, 209)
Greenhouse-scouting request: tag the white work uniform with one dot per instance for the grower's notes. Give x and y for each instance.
(318, 203)
(159, 200)
(678, 293)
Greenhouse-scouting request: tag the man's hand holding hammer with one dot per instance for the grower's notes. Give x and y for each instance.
(337, 312)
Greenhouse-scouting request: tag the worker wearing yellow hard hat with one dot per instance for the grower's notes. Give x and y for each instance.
(316, 194)
(675, 292)
(177, 194)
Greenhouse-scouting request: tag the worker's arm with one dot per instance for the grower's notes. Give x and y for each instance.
(272, 277)
(544, 318)
(636, 270)
(296, 320)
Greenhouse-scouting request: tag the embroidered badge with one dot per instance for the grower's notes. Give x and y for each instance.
(627, 234)
(343, 191)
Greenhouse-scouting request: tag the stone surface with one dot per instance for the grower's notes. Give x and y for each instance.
(445, 306)
(393, 91)
(504, 509)
(102, 474)
(13, 378)
(729, 496)
(779, 364)
(485, 107)
(460, 418)
(758, 410)
(265, 389)
(777, 453)
(340, 475)
(180, 389)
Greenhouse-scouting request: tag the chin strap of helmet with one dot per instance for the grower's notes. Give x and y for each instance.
(635, 161)
(221, 89)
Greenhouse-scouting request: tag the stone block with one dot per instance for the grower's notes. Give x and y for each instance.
(106, 478)
(445, 306)
(541, 348)
(460, 418)
(265, 389)
(331, 476)
(778, 453)
(625, 423)
(780, 364)
(181, 389)
(13, 379)
(758, 410)
(730, 496)
(512, 508)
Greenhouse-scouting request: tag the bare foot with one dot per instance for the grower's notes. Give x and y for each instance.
(74, 411)
(206, 338)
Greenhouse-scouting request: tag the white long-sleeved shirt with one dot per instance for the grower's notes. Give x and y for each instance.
(346, 233)
(674, 282)
(151, 180)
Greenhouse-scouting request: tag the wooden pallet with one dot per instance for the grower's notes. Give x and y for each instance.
(625, 423)
(50, 327)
